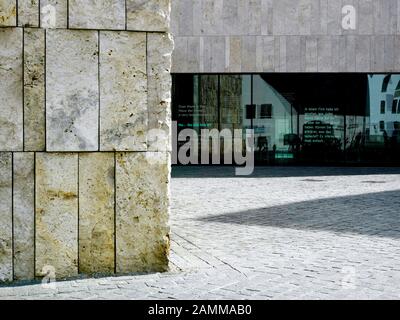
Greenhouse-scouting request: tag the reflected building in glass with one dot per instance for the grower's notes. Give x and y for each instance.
(298, 118)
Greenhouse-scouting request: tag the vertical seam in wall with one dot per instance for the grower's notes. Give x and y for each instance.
(12, 216)
(34, 215)
(23, 89)
(16, 13)
(98, 88)
(126, 15)
(78, 196)
(115, 212)
(45, 90)
(147, 89)
(67, 14)
(39, 6)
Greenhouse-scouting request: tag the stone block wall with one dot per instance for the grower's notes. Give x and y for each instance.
(284, 36)
(84, 137)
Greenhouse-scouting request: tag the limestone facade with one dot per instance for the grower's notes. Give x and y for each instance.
(84, 137)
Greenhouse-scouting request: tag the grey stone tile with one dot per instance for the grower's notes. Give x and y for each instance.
(11, 126)
(97, 14)
(28, 13)
(123, 91)
(34, 90)
(56, 217)
(23, 215)
(6, 263)
(50, 7)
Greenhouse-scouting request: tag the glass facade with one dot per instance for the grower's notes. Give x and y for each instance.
(298, 118)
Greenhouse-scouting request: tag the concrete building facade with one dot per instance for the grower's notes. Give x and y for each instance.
(244, 36)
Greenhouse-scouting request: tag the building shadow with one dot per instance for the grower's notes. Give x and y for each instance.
(373, 214)
(278, 172)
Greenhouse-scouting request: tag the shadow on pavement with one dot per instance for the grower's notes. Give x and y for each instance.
(374, 214)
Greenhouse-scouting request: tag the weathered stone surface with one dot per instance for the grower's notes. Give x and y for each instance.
(72, 90)
(142, 201)
(8, 13)
(11, 90)
(148, 15)
(6, 273)
(24, 215)
(123, 91)
(97, 14)
(96, 213)
(57, 213)
(28, 13)
(159, 50)
(34, 91)
(60, 7)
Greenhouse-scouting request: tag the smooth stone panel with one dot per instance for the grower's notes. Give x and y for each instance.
(142, 202)
(57, 214)
(72, 93)
(97, 14)
(11, 115)
(8, 13)
(96, 213)
(34, 90)
(24, 215)
(148, 15)
(159, 51)
(28, 13)
(123, 91)
(60, 7)
(6, 263)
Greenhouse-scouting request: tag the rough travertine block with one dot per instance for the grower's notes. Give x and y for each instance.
(24, 208)
(34, 93)
(28, 13)
(57, 213)
(8, 13)
(96, 213)
(148, 15)
(123, 91)
(6, 273)
(11, 89)
(72, 102)
(142, 200)
(159, 49)
(60, 7)
(97, 14)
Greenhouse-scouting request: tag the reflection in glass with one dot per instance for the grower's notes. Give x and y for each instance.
(298, 118)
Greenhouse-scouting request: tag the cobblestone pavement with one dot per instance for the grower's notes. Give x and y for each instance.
(284, 233)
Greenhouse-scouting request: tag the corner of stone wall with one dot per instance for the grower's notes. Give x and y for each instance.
(85, 130)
